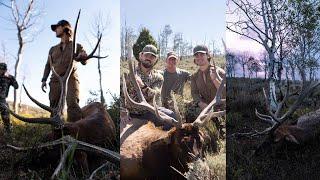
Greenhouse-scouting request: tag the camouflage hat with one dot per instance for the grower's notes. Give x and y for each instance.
(200, 49)
(62, 23)
(172, 54)
(151, 49)
(3, 66)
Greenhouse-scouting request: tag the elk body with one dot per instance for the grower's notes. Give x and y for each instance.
(95, 127)
(306, 128)
(149, 152)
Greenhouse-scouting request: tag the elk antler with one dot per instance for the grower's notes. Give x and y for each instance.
(144, 104)
(207, 113)
(274, 118)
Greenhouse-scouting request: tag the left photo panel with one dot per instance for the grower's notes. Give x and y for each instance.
(59, 89)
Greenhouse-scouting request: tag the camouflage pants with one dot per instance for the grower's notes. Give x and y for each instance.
(5, 115)
(73, 110)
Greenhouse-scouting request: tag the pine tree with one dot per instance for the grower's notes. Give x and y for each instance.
(144, 39)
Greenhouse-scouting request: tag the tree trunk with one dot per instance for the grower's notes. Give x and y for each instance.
(102, 99)
(243, 70)
(16, 73)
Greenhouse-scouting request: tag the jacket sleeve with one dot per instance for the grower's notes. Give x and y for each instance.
(14, 82)
(79, 50)
(154, 89)
(47, 68)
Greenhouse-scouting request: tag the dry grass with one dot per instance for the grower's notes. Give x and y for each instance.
(214, 164)
(288, 162)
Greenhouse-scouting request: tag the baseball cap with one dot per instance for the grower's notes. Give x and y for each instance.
(151, 49)
(61, 23)
(200, 49)
(3, 66)
(172, 54)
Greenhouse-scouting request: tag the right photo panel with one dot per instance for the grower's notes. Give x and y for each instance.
(273, 116)
(173, 90)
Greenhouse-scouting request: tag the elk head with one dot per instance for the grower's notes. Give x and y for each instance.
(279, 132)
(184, 139)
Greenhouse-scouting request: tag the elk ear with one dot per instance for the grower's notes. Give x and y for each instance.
(291, 138)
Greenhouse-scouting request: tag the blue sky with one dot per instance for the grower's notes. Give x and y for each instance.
(199, 21)
(35, 53)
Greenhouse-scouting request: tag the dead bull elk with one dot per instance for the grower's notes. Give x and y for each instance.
(96, 126)
(150, 152)
(306, 128)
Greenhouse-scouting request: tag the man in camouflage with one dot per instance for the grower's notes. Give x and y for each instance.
(204, 82)
(150, 82)
(6, 81)
(61, 55)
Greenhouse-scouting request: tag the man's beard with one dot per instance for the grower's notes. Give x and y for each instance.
(147, 64)
(59, 35)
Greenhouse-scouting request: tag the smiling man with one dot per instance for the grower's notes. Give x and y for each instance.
(150, 82)
(149, 79)
(174, 79)
(206, 81)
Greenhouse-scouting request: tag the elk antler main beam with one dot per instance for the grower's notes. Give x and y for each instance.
(43, 106)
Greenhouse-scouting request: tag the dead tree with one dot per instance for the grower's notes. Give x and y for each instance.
(24, 22)
(99, 27)
(94, 118)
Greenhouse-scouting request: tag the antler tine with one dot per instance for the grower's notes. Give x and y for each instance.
(285, 98)
(175, 108)
(165, 118)
(29, 120)
(91, 55)
(134, 81)
(301, 97)
(43, 106)
(145, 105)
(217, 100)
(264, 117)
(59, 108)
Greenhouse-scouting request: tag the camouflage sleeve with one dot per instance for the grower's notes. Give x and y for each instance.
(47, 68)
(153, 89)
(79, 50)
(194, 90)
(14, 82)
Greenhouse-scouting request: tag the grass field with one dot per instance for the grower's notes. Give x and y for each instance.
(214, 164)
(17, 165)
(286, 162)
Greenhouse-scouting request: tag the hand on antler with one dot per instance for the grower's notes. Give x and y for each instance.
(139, 81)
(82, 56)
(44, 86)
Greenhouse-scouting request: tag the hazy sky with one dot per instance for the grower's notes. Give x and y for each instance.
(199, 21)
(35, 53)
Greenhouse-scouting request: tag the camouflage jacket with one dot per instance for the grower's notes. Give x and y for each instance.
(153, 81)
(5, 82)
